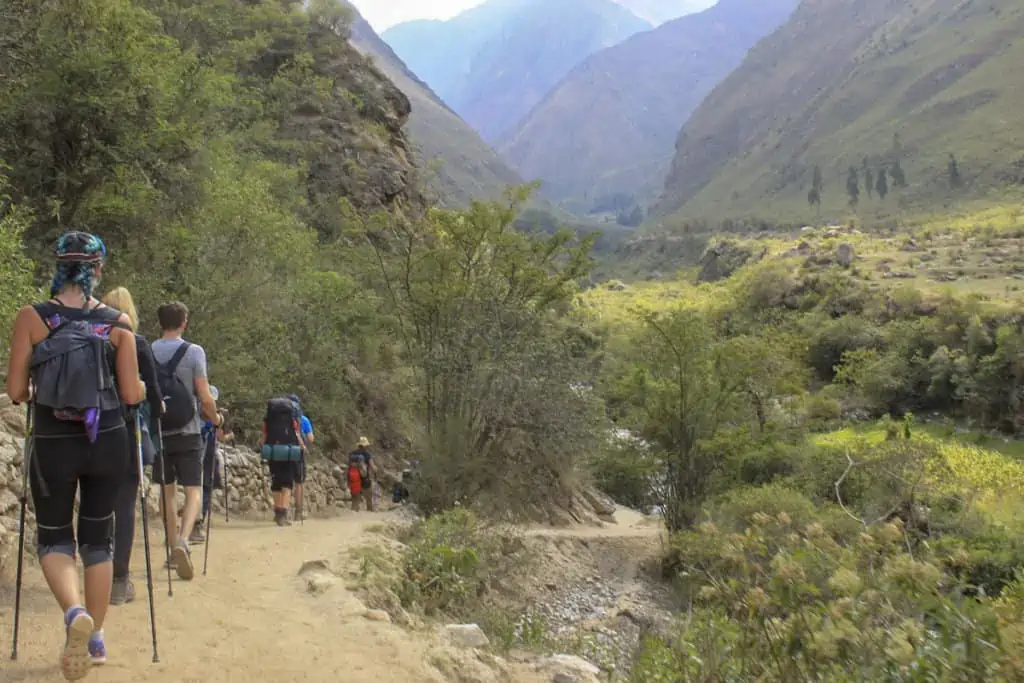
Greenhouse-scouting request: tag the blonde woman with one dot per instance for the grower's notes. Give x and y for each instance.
(124, 509)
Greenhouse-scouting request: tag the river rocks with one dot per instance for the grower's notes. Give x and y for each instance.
(467, 635)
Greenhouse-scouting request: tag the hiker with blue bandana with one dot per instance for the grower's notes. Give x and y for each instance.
(80, 357)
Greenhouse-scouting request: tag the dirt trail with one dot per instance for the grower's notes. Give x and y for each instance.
(250, 619)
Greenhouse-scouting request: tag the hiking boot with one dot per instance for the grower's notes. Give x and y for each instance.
(75, 660)
(182, 558)
(97, 649)
(122, 591)
(197, 535)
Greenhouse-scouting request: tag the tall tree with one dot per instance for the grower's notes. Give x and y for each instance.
(953, 169)
(899, 180)
(814, 194)
(869, 179)
(853, 187)
(882, 184)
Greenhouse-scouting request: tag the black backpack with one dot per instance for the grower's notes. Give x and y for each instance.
(72, 368)
(282, 415)
(179, 402)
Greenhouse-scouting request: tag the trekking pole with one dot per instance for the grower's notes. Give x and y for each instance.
(224, 481)
(209, 527)
(163, 506)
(26, 457)
(145, 534)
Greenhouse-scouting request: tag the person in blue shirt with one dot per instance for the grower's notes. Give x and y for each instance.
(306, 429)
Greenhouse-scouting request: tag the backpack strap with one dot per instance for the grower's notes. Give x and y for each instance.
(175, 360)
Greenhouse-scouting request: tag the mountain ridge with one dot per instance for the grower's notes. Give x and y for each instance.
(609, 127)
(914, 82)
(457, 165)
(492, 63)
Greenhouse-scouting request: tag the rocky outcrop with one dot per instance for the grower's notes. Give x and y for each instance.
(721, 260)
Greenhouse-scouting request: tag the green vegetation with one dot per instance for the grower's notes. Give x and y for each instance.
(822, 531)
(795, 413)
(905, 85)
(245, 159)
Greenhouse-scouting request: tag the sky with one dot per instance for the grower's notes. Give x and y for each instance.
(383, 14)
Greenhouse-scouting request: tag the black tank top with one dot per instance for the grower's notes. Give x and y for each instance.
(45, 424)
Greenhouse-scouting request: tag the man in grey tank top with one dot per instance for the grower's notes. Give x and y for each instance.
(181, 460)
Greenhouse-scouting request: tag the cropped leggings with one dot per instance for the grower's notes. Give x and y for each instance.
(59, 467)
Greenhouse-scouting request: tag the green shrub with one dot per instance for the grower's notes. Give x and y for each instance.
(736, 509)
(784, 602)
(627, 472)
(450, 560)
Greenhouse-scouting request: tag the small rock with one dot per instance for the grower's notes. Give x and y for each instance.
(467, 635)
(569, 669)
(377, 615)
(320, 582)
(315, 566)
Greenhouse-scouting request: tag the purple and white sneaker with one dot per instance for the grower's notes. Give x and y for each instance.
(76, 660)
(97, 648)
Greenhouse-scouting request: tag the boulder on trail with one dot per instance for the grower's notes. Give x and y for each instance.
(467, 635)
(569, 669)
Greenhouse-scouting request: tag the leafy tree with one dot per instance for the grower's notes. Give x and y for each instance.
(16, 286)
(685, 384)
(853, 187)
(814, 194)
(92, 114)
(869, 179)
(498, 383)
(882, 184)
(899, 180)
(953, 170)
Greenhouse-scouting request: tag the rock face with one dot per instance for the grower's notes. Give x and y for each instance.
(722, 260)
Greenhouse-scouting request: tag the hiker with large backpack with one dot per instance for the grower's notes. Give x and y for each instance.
(361, 473)
(182, 373)
(306, 432)
(80, 357)
(282, 448)
(124, 510)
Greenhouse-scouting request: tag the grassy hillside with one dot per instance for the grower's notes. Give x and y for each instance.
(862, 84)
(608, 127)
(495, 62)
(456, 163)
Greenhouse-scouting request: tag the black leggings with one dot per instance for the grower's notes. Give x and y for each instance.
(124, 512)
(59, 467)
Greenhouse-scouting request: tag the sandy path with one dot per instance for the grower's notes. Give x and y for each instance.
(250, 619)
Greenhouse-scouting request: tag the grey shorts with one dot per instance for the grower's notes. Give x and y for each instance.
(180, 461)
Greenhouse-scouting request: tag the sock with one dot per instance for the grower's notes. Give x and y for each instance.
(97, 634)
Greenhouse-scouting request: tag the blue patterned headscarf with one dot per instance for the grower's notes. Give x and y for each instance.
(77, 255)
